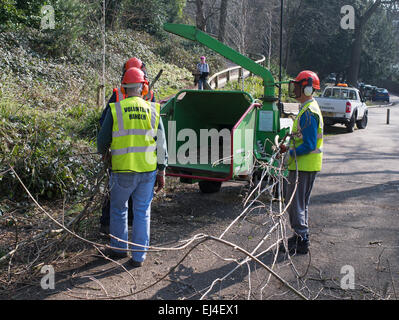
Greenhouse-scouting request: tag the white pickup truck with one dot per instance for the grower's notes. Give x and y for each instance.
(345, 105)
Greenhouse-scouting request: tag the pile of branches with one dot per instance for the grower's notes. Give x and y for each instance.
(45, 234)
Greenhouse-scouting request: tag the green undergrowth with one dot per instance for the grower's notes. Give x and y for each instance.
(49, 151)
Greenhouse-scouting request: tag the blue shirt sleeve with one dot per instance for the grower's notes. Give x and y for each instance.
(309, 124)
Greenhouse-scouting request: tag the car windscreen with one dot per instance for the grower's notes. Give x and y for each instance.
(340, 93)
(336, 93)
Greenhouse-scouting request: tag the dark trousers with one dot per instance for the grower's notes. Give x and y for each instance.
(298, 210)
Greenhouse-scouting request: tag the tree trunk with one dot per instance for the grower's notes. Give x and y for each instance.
(112, 13)
(222, 20)
(200, 18)
(356, 51)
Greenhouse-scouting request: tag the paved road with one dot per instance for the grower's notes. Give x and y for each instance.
(394, 98)
(354, 210)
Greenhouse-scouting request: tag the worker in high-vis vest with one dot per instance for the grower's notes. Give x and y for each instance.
(305, 159)
(134, 133)
(118, 95)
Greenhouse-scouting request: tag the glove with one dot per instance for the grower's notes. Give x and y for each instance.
(283, 148)
(160, 181)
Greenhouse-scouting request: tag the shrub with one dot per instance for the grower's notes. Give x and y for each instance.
(41, 151)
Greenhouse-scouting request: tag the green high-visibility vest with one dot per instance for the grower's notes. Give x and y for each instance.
(313, 160)
(135, 125)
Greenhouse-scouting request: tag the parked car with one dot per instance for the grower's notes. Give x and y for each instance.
(381, 94)
(345, 105)
(369, 91)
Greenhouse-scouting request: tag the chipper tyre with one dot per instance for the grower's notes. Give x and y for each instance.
(209, 186)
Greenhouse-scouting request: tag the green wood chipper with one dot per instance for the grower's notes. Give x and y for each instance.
(214, 135)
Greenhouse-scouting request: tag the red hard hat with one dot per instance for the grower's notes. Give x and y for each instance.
(133, 63)
(304, 76)
(133, 75)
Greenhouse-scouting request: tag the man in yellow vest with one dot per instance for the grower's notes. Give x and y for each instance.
(134, 132)
(118, 95)
(305, 158)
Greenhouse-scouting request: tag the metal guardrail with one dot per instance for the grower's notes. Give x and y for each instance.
(220, 79)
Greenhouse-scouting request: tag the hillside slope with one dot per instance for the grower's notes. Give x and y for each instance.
(49, 100)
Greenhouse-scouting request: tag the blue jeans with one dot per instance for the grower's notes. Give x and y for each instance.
(140, 186)
(201, 83)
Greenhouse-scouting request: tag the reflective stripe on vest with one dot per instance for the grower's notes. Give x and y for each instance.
(135, 124)
(313, 160)
(119, 94)
(141, 132)
(119, 152)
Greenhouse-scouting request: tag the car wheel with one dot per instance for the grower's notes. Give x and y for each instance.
(209, 186)
(351, 125)
(362, 124)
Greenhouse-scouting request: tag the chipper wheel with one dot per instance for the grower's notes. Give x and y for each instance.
(209, 186)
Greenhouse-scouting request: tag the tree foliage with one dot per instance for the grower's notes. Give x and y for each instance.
(318, 42)
(312, 34)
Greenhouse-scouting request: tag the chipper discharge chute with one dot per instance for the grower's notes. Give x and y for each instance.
(215, 136)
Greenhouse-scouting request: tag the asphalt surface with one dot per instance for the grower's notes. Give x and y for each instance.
(355, 203)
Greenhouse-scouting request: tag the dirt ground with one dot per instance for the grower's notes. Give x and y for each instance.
(353, 222)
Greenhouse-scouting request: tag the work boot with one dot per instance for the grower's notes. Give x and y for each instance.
(291, 242)
(135, 264)
(296, 244)
(302, 246)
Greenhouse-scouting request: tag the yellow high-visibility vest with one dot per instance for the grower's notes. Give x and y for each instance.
(313, 160)
(135, 125)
